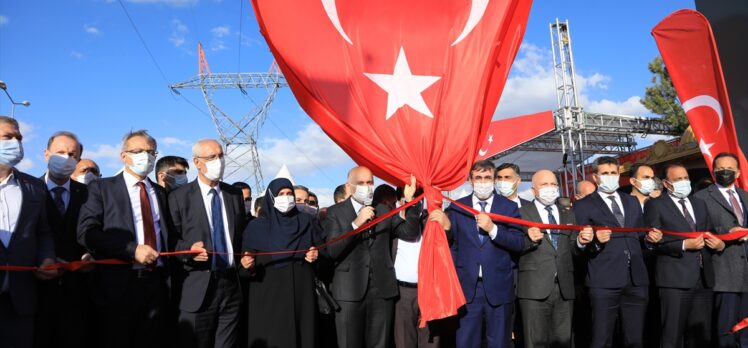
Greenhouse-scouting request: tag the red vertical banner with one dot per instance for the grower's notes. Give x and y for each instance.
(403, 87)
(688, 48)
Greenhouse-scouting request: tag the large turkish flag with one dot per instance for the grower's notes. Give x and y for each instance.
(687, 46)
(402, 87)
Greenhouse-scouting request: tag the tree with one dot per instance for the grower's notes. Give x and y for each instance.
(661, 98)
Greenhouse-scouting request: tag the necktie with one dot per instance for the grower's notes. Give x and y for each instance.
(552, 221)
(736, 208)
(482, 210)
(687, 215)
(59, 203)
(616, 210)
(149, 230)
(220, 260)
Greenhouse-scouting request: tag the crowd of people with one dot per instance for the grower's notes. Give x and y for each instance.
(226, 285)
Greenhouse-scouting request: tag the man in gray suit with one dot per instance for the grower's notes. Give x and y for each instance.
(25, 239)
(726, 206)
(546, 273)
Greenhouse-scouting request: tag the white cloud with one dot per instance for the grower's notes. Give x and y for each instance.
(106, 156)
(531, 88)
(27, 130)
(319, 152)
(4, 20)
(77, 55)
(324, 195)
(172, 3)
(178, 33)
(172, 141)
(25, 165)
(221, 31)
(91, 30)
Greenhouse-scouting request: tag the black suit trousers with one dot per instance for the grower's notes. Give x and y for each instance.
(216, 324)
(366, 323)
(627, 304)
(686, 317)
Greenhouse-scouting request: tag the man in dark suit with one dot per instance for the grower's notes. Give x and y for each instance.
(363, 281)
(481, 250)
(25, 240)
(208, 214)
(126, 217)
(65, 304)
(617, 278)
(726, 204)
(546, 272)
(685, 275)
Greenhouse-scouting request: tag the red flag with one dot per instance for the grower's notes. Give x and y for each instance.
(688, 48)
(524, 128)
(402, 87)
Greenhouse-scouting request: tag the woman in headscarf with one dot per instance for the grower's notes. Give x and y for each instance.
(281, 301)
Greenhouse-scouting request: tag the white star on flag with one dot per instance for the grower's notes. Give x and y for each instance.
(404, 88)
(490, 138)
(704, 147)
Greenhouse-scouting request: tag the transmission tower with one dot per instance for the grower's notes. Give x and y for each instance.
(580, 135)
(239, 134)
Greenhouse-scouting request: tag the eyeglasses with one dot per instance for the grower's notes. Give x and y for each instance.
(153, 153)
(312, 203)
(210, 158)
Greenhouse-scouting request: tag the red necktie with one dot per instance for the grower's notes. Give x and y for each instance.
(736, 207)
(149, 232)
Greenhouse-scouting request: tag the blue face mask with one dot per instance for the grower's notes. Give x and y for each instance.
(11, 152)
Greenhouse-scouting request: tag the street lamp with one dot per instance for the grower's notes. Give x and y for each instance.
(26, 103)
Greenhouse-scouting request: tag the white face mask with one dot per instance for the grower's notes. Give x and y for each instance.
(214, 169)
(142, 163)
(11, 152)
(608, 183)
(646, 186)
(364, 194)
(86, 178)
(681, 189)
(547, 195)
(483, 190)
(284, 204)
(506, 188)
(61, 166)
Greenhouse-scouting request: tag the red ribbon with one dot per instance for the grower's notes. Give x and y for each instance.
(76, 265)
(740, 325)
(510, 220)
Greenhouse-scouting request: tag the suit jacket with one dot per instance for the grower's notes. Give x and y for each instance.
(65, 228)
(608, 263)
(190, 218)
(541, 263)
(494, 256)
(677, 268)
(30, 243)
(730, 266)
(355, 257)
(106, 228)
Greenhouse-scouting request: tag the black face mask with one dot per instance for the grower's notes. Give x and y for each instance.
(725, 177)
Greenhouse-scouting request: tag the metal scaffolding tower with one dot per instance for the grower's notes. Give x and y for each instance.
(580, 135)
(239, 134)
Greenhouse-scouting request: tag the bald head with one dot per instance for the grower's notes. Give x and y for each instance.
(584, 188)
(205, 145)
(360, 176)
(541, 179)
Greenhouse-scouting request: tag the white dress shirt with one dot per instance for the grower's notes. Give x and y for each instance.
(689, 207)
(724, 190)
(493, 231)
(406, 260)
(544, 214)
(518, 201)
(610, 204)
(134, 191)
(65, 194)
(208, 201)
(11, 197)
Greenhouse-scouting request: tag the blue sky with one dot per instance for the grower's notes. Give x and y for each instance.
(83, 68)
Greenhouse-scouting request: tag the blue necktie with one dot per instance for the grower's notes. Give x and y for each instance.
(482, 210)
(220, 260)
(552, 221)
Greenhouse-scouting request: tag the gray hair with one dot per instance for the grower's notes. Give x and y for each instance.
(197, 148)
(138, 133)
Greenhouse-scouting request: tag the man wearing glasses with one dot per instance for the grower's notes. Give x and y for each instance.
(125, 218)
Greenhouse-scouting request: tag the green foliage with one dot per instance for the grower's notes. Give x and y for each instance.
(661, 98)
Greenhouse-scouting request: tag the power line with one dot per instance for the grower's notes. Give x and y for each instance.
(142, 41)
(241, 21)
(301, 151)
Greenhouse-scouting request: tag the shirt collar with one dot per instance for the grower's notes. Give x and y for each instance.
(677, 200)
(10, 179)
(356, 205)
(132, 181)
(51, 184)
(724, 189)
(476, 199)
(605, 195)
(541, 206)
(205, 189)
